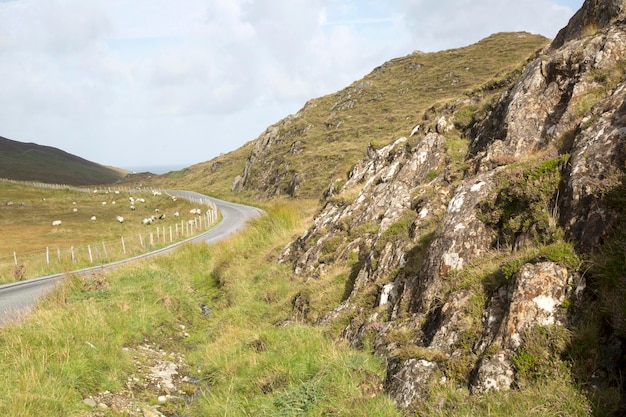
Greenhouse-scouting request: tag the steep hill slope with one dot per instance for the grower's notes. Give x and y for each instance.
(32, 162)
(486, 252)
(302, 154)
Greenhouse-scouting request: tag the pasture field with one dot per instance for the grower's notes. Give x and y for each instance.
(31, 246)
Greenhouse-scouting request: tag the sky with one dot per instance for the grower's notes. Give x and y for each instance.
(171, 83)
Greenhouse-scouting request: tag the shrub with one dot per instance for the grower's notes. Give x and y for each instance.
(524, 204)
(539, 356)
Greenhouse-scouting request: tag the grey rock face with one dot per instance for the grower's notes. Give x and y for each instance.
(534, 299)
(566, 102)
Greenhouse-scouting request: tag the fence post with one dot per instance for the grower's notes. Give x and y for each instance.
(90, 256)
(47, 256)
(59, 254)
(15, 257)
(140, 240)
(158, 237)
(152, 238)
(72, 250)
(104, 248)
(123, 246)
(170, 234)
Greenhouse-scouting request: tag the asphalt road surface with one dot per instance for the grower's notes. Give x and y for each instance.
(18, 298)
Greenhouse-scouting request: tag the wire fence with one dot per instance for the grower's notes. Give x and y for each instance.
(107, 188)
(50, 260)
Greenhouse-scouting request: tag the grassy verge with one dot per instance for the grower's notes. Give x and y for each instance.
(233, 301)
(79, 342)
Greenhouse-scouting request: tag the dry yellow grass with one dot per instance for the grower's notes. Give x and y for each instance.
(27, 214)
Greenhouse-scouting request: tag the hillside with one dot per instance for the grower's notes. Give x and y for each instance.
(302, 154)
(485, 254)
(32, 162)
(474, 265)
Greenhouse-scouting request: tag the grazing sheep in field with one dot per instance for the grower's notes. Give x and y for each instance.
(155, 193)
(113, 202)
(147, 221)
(56, 223)
(120, 219)
(162, 216)
(156, 210)
(195, 211)
(141, 200)
(173, 198)
(176, 214)
(93, 218)
(74, 210)
(132, 208)
(104, 203)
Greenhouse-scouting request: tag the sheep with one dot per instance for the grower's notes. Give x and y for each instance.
(74, 210)
(132, 208)
(173, 198)
(162, 216)
(120, 219)
(195, 211)
(155, 193)
(104, 203)
(56, 223)
(156, 210)
(147, 221)
(93, 218)
(141, 200)
(176, 214)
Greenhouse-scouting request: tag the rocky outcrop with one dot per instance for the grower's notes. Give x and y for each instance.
(300, 155)
(593, 16)
(431, 251)
(534, 299)
(269, 177)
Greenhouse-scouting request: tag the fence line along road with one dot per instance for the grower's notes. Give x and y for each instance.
(17, 299)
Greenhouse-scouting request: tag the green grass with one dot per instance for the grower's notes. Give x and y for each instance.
(72, 346)
(248, 360)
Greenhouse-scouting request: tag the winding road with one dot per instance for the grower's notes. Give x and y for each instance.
(18, 298)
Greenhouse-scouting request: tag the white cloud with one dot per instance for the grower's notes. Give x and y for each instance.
(152, 82)
(462, 22)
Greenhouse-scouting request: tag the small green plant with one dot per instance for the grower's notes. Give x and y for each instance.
(524, 203)
(465, 116)
(539, 356)
(297, 401)
(398, 230)
(419, 352)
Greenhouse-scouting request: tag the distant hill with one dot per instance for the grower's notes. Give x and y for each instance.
(32, 162)
(301, 155)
